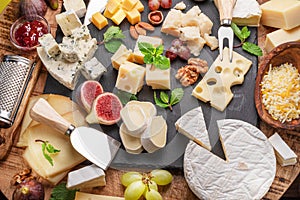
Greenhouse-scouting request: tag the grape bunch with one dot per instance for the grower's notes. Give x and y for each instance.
(178, 48)
(145, 184)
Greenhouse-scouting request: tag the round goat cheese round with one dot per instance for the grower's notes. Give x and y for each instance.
(247, 172)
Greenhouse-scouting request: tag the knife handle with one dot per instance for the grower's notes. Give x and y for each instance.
(44, 113)
(225, 8)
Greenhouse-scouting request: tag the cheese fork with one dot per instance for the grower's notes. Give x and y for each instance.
(225, 8)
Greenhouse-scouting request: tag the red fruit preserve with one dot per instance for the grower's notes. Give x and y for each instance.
(27, 35)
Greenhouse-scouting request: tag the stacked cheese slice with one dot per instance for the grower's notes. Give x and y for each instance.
(248, 171)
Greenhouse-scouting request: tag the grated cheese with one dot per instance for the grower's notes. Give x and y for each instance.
(281, 92)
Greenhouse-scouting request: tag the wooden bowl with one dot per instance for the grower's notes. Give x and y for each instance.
(285, 53)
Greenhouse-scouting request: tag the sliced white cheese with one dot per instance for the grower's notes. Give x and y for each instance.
(77, 5)
(68, 21)
(215, 85)
(248, 171)
(50, 45)
(155, 135)
(284, 154)
(65, 73)
(87, 196)
(192, 125)
(134, 119)
(132, 144)
(130, 77)
(86, 177)
(93, 69)
(158, 78)
(147, 106)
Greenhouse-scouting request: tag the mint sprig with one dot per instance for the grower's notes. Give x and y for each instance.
(112, 39)
(152, 55)
(166, 101)
(60, 192)
(47, 150)
(243, 34)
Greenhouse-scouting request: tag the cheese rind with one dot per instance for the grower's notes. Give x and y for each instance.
(248, 171)
(130, 77)
(192, 124)
(86, 177)
(281, 14)
(215, 85)
(281, 36)
(284, 154)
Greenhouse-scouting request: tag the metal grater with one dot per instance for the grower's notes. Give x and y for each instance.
(15, 73)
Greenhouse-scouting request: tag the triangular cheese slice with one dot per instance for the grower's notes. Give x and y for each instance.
(248, 171)
(192, 125)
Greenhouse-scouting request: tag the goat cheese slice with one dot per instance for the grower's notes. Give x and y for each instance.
(247, 172)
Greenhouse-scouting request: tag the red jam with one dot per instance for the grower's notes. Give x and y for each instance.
(27, 35)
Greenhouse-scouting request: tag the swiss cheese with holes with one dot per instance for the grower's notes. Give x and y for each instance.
(215, 85)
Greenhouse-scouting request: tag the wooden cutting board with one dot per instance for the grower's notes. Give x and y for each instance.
(13, 162)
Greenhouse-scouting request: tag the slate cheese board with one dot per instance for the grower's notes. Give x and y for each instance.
(241, 107)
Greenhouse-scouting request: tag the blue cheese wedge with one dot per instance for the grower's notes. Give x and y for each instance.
(50, 45)
(67, 49)
(77, 5)
(86, 177)
(68, 21)
(284, 154)
(93, 69)
(81, 33)
(64, 72)
(86, 49)
(192, 125)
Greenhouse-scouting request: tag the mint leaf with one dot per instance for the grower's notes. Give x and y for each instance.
(51, 148)
(159, 50)
(176, 96)
(148, 59)
(113, 45)
(60, 192)
(113, 32)
(47, 156)
(159, 103)
(252, 48)
(146, 48)
(164, 97)
(245, 32)
(161, 62)
(237, 31)
(48, 148)
(125, 97)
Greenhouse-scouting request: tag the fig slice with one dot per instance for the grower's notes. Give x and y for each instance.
(105, 110)
(87, 92)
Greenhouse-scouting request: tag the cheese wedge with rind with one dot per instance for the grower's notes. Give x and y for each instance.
(248, 171)
(86, 177)
(192, 125)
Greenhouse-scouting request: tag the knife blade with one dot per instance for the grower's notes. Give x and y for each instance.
(94, 145)
(93, 7)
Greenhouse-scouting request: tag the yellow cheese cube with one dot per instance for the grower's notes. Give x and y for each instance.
(121, 55)
(107, 14)
(133, 16)
(118, 17)
(113, 5)
(99, 20)
(129, 4)
(130, 77)
(139, 6)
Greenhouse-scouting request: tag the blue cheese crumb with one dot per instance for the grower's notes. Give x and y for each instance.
(93, 69)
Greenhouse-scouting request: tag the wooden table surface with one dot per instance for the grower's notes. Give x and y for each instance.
(12, 162)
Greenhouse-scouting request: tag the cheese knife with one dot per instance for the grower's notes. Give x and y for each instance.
(94, 145)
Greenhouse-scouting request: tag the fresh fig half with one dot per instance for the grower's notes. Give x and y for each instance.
(105, 110)
(87, 92)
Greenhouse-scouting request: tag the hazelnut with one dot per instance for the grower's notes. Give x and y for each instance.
(155, 17)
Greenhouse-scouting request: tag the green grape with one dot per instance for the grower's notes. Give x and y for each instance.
(130, 177)
(151, 186)
(135, 190)
(153, 195)
(161, 177)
